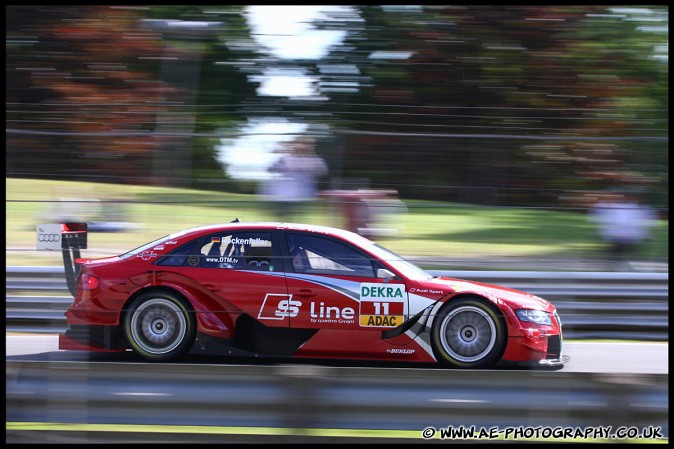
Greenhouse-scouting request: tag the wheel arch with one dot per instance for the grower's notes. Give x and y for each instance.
(447, 302)
(219, 324)
(153, 288)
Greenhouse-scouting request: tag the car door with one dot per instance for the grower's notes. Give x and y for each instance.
(333, 285)
(243, 268)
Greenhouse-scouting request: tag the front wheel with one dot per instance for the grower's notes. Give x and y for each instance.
(160, 326)
(469, 333)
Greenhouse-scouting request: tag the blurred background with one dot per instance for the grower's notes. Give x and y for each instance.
(459, 136)
(471, 137)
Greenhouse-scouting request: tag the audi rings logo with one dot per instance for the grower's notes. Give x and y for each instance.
(49, 238)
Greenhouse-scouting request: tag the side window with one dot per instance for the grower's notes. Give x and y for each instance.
(177, 257)
(240, 250)
(311, 254)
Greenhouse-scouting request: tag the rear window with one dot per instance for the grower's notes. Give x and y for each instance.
(167, 239)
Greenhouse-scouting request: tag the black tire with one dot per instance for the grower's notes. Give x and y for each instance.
(469, 333)
(160, 326)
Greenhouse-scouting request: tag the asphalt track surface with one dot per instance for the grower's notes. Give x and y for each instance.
(585, 356)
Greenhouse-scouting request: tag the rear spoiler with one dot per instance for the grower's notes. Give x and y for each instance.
(69, 238)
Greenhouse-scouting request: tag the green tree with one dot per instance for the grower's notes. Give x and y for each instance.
(507, 105)
(120, 94)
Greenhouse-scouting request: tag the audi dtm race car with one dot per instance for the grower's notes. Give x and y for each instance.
(300, 291)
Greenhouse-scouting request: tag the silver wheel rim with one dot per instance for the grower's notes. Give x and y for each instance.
(158, 326)
(468, 334)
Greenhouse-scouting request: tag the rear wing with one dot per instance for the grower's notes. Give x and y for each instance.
(69, 238)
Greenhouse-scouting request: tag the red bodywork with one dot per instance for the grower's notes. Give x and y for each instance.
(327, 313)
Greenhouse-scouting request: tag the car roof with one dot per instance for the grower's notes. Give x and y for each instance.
(317, 229)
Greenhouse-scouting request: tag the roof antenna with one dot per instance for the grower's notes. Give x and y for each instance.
(236, 220)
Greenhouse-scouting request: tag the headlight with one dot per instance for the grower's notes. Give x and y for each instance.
(534, 316)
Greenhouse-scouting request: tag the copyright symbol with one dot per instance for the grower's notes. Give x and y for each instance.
(428, 432)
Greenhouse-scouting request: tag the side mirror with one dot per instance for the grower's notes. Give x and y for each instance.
(383, 273)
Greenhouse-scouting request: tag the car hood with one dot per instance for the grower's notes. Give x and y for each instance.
(516, 299)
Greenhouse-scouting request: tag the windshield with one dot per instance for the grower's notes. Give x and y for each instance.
(407, 269)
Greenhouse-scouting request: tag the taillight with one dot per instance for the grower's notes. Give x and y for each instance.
(89, 282)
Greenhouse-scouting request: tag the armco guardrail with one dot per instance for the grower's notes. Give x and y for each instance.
(313, 403)
(591, 304)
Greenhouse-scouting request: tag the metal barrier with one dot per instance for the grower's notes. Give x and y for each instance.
(610, 305)
(314, 403)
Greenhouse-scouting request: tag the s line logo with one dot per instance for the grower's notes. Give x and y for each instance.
(278, 306)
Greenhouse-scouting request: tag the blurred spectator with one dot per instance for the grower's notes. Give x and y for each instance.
(293, 184)
(624, 225)
(368, 212)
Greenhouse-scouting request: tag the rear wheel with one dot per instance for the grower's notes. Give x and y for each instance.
(469, 333)
(160, 326)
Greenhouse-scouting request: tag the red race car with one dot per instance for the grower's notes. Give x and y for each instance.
(300, 291)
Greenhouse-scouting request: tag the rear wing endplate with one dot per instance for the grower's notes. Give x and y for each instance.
(69, 238)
